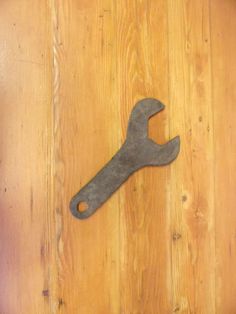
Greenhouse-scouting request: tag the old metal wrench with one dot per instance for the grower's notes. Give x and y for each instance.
(137, 151)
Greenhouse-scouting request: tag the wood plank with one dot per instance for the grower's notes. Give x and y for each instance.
(192, 176)
(142, 58)
(70, 73)
(86, 118)
(223, 26)
(25, 118)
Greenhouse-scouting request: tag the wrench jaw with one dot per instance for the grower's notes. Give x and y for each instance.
(138, 121)
(148, 153)
(161, 155)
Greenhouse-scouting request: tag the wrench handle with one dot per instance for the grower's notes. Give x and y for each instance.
(104, 184)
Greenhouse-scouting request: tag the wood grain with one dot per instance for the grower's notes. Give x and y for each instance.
(87, 252)
(223, 25)
(192, 177)
(25, 118)
(70, 73)
(142, 55)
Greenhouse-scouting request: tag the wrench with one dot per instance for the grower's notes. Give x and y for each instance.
(137, 151)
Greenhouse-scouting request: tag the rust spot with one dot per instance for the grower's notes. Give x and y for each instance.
(184, 198)
(60, 303)
(200, 119)
(176, 236)
(45, 293)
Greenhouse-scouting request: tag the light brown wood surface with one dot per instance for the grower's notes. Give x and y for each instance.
(70, 73)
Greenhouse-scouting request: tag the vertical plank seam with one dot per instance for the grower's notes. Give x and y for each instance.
(169, 198)
(55, 100)
(213, 143)
(50, 164)
(119, 191)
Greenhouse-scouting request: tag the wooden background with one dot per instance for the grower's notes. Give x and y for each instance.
(70, 73)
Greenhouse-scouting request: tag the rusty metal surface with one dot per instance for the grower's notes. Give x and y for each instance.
(137, 151)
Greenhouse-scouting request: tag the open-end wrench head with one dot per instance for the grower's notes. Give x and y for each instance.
(147, 152)
(138, 121)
